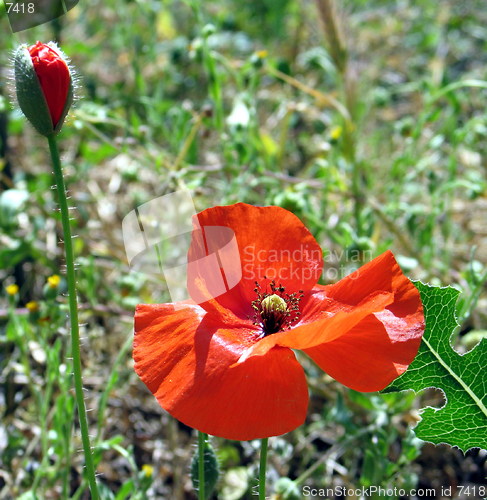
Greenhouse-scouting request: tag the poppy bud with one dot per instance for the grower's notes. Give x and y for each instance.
(44, 86)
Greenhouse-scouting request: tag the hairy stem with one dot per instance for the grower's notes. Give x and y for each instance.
(201, 465)
(73, 315)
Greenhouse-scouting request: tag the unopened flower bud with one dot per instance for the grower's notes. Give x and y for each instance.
(44, 86)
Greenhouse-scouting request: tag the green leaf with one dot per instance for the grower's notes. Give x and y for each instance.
(126, 490)
(286, 489)
(235, 483)
(462, 421)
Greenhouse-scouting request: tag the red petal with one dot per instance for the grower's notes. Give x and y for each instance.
(321, 325)
(372, 354)
(373, 320)
(381, 347)
(382, 273)
(271, 241)
(187, 361)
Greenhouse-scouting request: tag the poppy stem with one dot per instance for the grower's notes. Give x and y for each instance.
(73, 315)
(201, 465)
(262, 470)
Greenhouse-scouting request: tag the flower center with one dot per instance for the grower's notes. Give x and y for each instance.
(277, 310)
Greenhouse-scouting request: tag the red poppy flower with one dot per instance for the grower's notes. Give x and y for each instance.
(226, 366)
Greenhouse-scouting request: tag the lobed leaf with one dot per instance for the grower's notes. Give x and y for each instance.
(462, 421)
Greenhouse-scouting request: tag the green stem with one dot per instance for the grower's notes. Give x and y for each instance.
(263, 463)
(73, 315)
(214, 84)
(201, 465)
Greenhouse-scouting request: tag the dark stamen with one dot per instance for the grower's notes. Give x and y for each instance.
(275, 310)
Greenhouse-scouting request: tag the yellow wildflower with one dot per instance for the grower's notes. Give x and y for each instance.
(148, 470)
(12, 289)
(54, 280)
(336, 132)
(32, 306)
